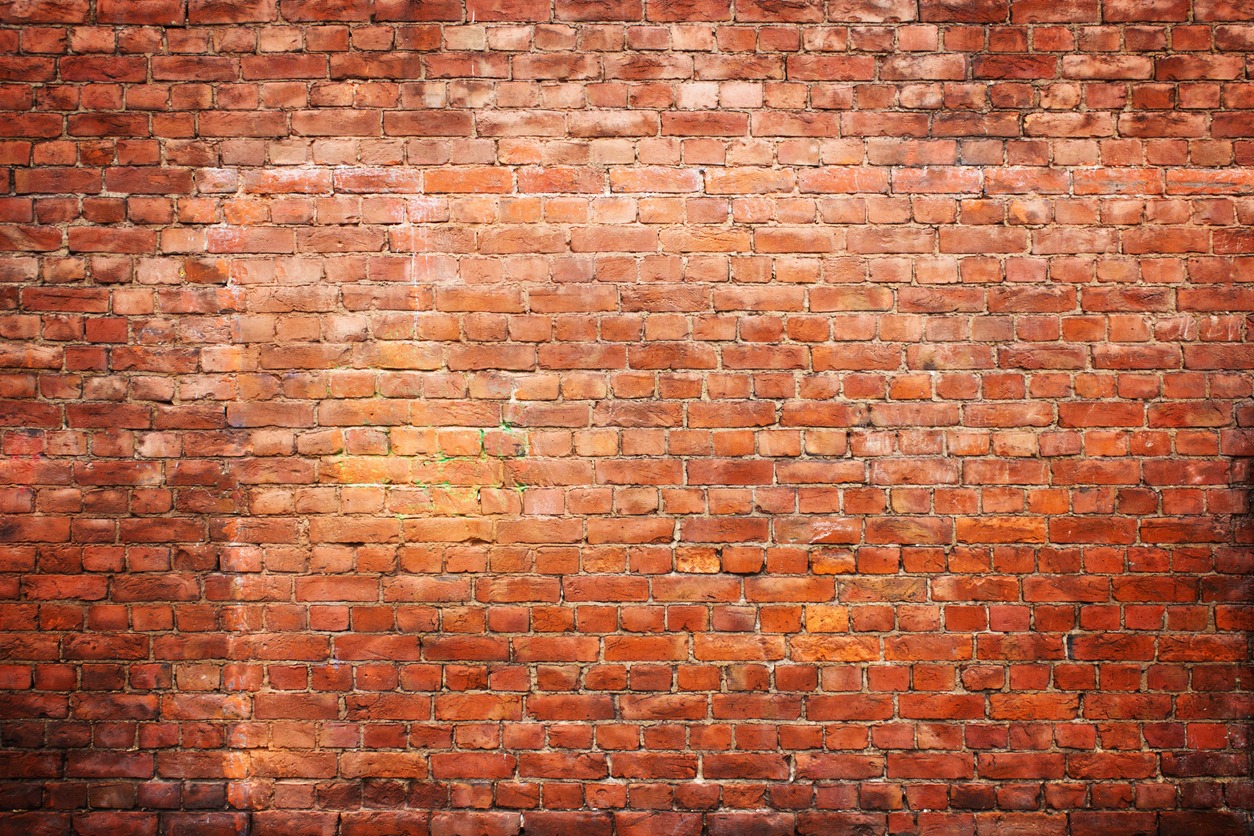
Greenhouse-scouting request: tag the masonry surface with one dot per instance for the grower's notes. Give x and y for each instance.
(604, 416)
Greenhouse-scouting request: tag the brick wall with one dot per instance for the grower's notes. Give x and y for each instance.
(817, 416)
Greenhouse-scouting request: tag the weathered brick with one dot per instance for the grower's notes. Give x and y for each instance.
(490, 416)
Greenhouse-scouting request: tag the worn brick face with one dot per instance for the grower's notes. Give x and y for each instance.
(626, 416)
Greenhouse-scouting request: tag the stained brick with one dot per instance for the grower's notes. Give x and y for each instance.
(488, 416)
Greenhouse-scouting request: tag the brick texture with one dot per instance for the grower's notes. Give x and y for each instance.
(626, 416)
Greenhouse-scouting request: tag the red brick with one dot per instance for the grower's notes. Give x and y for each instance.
(153, 13)
(30, 238)
(344, 11)
(967, 11)
(488, 417)
(231, 11)
(1056, 11)
(45, 11)
(657, 823)
(384, 823)
(383, 765)
(1125, 11)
